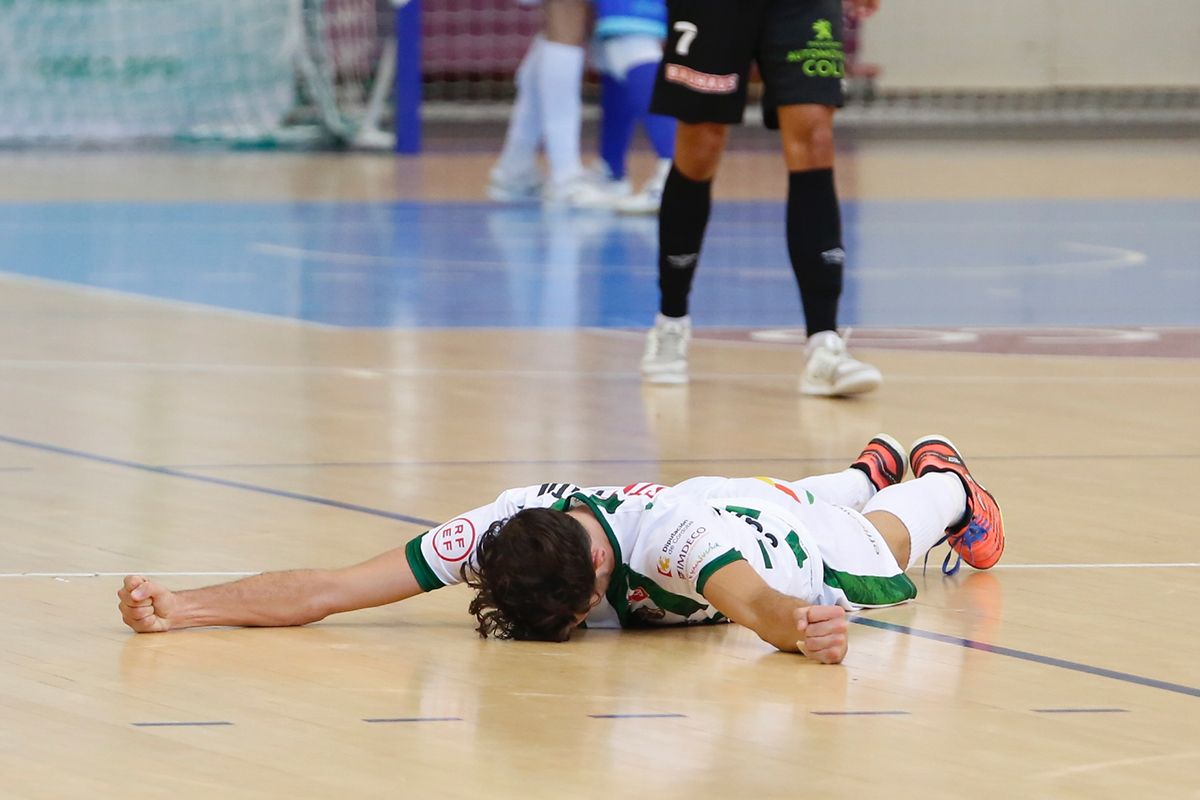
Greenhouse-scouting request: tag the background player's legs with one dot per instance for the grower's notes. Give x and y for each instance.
(560, 83)
(630, 66)
(814, 237)
(515, 177)
(682, 219)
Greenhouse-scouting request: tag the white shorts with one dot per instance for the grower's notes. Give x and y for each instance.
(856, 569)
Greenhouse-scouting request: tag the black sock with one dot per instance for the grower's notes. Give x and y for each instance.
(814, 236)
(681, 223)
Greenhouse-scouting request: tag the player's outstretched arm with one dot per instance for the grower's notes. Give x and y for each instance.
(271, 599)
(792, 625)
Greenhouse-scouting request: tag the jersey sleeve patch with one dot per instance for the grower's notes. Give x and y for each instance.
(455, 540)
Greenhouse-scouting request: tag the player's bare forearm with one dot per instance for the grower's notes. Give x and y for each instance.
(270, 599)
(785, 622)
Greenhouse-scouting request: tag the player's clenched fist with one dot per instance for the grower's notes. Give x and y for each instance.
(822, 633)
(145, 606)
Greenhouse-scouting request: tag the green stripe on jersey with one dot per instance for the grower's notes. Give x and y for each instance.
(766, 557)
(714, 565)
(793, 542)
(667, 601)
(425, 576)
(871, 590)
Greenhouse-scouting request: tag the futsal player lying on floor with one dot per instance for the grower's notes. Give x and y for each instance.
(786, 559)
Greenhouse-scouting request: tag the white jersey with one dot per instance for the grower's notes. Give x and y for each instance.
(669, 542)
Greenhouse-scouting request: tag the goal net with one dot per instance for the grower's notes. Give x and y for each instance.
(240, 70)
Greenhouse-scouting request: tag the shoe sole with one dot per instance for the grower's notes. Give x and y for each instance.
(858, 385)
(665, 378)
(514, 198)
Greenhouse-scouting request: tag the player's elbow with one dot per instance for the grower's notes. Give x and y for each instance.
(322, 599)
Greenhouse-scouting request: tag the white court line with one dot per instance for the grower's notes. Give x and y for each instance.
(169, 302)
(422, 372)
(123, 574)
(1147, 565)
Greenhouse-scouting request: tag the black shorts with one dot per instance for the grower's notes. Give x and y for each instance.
(711, 44)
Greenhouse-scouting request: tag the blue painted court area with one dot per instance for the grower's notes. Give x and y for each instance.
(460, 265)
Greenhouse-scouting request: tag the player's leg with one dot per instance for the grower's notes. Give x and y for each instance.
(803, 62)
(560, 81)
(945, 502)
(701, 83)
(515, 177)
(631, 65)
(882, 463)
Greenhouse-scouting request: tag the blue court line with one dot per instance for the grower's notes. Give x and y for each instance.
(415, 719)
(1075, 666)
(860, 713)
(1080, 710)
(507, 462)
(637, 716)
(178, 724)
(248, 487)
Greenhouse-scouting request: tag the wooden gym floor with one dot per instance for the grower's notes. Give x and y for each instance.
(152, 423)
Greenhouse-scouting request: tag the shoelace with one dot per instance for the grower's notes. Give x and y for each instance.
(946, 570)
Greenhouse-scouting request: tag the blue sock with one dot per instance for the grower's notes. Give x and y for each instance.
(660, 129)
(617, 118)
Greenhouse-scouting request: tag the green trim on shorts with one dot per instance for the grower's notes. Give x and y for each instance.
(427, 579)
(714, 565)
(871, 590)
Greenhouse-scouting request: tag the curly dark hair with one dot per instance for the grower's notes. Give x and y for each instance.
(533, 576)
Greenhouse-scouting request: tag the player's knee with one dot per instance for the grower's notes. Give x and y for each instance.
(698, 149)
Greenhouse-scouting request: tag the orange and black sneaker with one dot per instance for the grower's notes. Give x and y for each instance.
(883, 461)
(978, 537)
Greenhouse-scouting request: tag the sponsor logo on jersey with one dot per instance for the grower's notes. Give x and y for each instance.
(823, 30)
(664, 566)
(701, 81)
(698, 560)
(638, 595)
(682, 558)
(455, 540)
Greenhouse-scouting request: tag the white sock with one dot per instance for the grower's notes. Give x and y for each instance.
(850, 487)
(560, 83)
(524, 135)
(926, 506)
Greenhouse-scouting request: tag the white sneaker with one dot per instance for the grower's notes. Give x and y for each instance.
(832, 372)
(665, 359)
(505, 188)
(584, 191)
(599, 174)
(649, 199)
